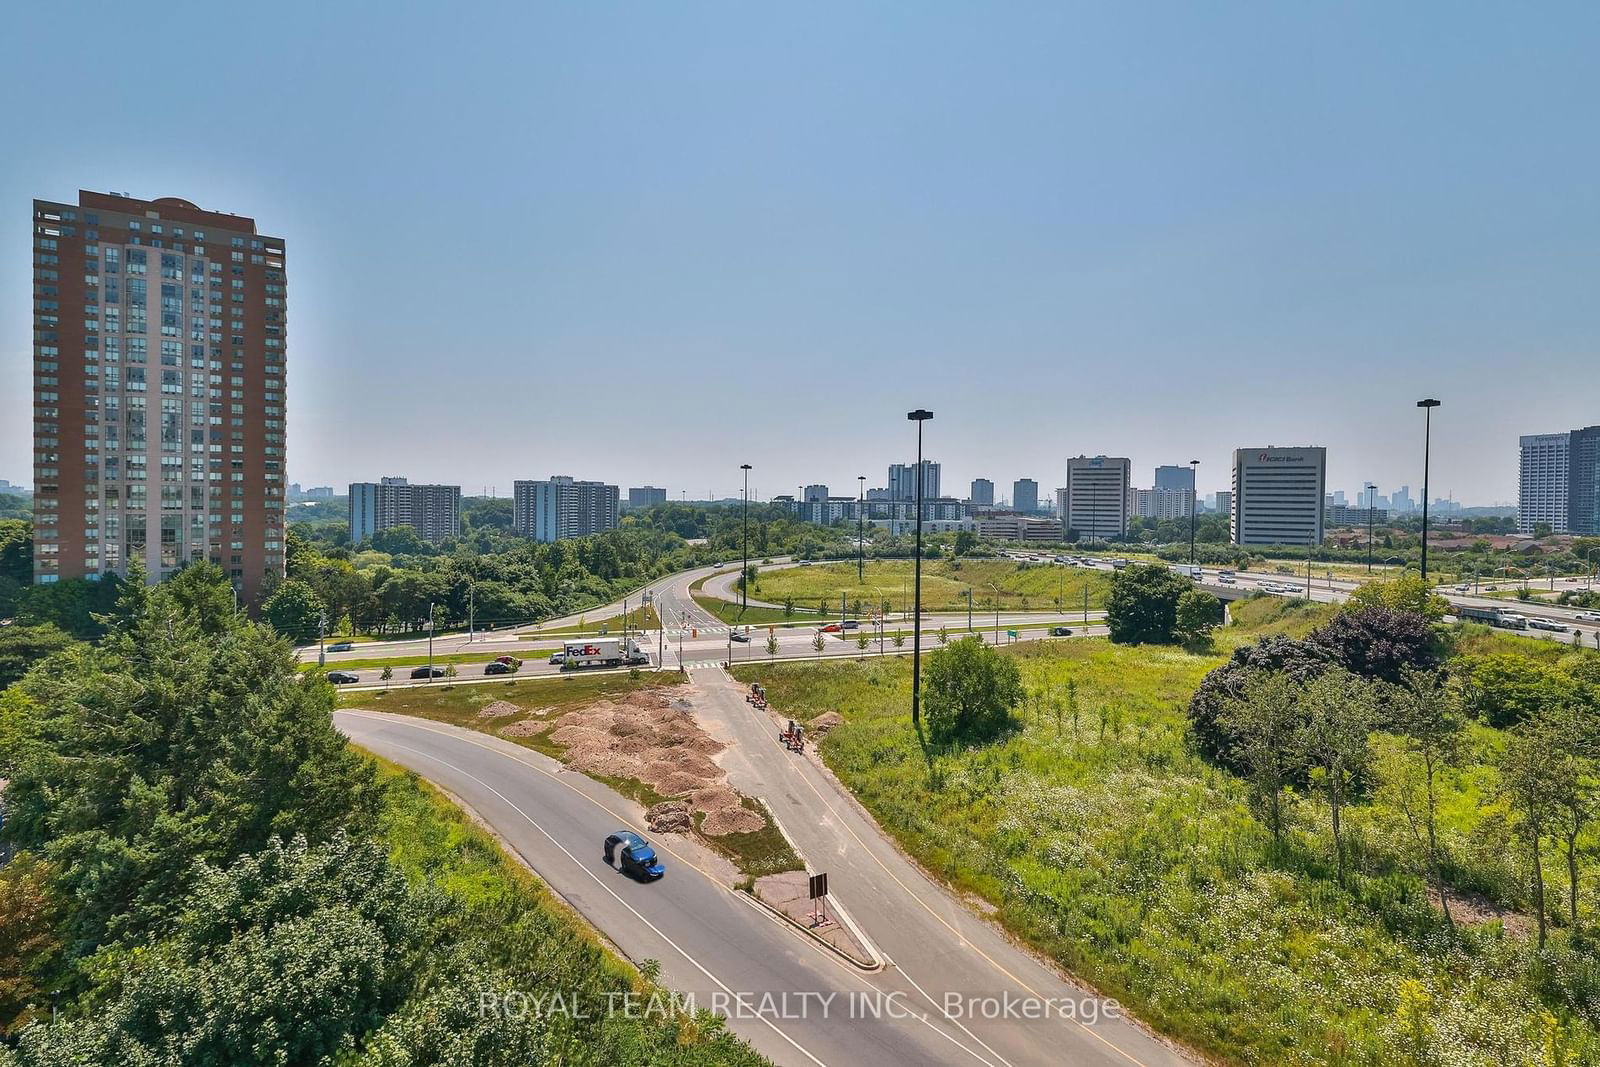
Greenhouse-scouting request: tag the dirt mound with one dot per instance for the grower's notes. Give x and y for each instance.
(523, 728)
(498, 709)
(731, 821)
(825, 722)
(669, 817)
(655, 740)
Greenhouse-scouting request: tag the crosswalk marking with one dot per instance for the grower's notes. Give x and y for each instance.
(702, 664)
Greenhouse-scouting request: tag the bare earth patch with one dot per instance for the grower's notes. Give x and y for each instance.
(523, 728)
(654, 740)
(498, 709)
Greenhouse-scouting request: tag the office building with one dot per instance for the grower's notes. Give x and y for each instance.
(1225, 502)
(1583, 486)
(1174, 477)
(815, 493)
(1344, 515)
(14, 490)
(982, 495)
(159, 338)
(1094, 502)
(1160, 504)
(646, 496)
(1400, 500)
(1543, 481)
(903, 480)
(1025, 495)
(432, 511)
(1018, 528)
(1277, 496)
(560, 507)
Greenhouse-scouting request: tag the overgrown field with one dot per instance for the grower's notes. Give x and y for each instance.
(1107, 843)
(1019, 587)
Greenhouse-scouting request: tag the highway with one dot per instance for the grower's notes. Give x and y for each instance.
(714, 942)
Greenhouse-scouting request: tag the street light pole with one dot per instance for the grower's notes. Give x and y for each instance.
(919, 416)
(744, 575)
(861, 529)
(430, 641)
(1194, 485)
(1370, 488)
(1427, 407)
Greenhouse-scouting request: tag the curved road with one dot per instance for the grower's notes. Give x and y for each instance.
(801, 1004)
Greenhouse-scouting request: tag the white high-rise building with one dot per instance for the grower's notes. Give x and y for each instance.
(1278, 495)
(433, 511)
(1160, 503)
(562, 507)
(1094, 502)
(1543, 478)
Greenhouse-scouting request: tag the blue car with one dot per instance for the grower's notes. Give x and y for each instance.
(638, 859)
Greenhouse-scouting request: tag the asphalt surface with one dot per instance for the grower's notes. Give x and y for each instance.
(795, 1001)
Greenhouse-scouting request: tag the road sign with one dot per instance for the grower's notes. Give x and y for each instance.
(819, 886)
(1011, 634)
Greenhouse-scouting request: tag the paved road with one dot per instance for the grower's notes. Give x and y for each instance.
(712, 941)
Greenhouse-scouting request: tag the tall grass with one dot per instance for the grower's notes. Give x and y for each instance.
(1113, 848)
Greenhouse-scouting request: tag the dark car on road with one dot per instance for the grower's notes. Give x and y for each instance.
(428, 672)
(739, 635)
(498, 668)
(851, 624)
(558, 657)
(343, 677)
(1060, 631)
(637, 858)
(341, 646)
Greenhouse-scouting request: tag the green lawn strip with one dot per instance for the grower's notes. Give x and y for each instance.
(758, 853)
(1110, 846)
(641, 618)
(510, 917)
(1023, 587)
(408, 661)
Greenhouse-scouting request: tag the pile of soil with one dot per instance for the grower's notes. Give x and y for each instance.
(654, 739)
(825, 722)
(523, 728)
(669, 817)
(498, 709)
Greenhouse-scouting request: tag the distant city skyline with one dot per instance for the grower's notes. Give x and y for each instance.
(1159, 233)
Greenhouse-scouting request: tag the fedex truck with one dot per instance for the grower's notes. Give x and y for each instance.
(602, 652)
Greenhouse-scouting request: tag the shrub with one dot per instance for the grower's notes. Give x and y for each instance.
(969, 692)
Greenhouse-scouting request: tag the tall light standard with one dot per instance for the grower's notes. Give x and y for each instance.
(744, 575)
(1194, 486)
(861, 529)
(1371, 497)
(919, 417)
(1427, 407)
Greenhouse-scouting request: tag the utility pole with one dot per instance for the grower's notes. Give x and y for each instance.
(430, 642)
(919, 416)
(322, 636)
(969, 609)
(1086, 602)
(1427, 407)
(744, 575)
(472, 588)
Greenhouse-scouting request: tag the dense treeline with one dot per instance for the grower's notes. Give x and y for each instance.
(389, 583)
(203, 877)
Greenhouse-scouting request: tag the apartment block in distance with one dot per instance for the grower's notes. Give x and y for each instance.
(1094, 502)
(982, 494)
(1277, 496)
(432, 511)
(646, 496)
(159, 339)
(1025, 495)
(561, 507)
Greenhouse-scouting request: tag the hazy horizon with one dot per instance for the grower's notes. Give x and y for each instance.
(646, 245)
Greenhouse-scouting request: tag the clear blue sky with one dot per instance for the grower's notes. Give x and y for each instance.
(647, 242)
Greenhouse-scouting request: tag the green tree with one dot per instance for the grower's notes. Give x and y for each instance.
(223, 746)
(1405, 593)
(1264, 724)
(1198, 613)
(966, 541)
(1506, 688)
(1142, 607)
(1426, 717)
(1526, 784)
(862, 640)
(23, 646)
(1339, 713)
(788, 607)
(295, 611)
(969, 691)
(16, 550)
(29, 911)
(386, 676)
(816, 641)
(772, 645)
